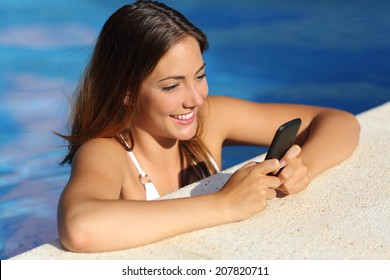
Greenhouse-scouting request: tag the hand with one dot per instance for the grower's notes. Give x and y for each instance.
(248, 189)
(294, 177)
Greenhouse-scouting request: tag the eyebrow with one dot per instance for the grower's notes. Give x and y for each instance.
(182, 77)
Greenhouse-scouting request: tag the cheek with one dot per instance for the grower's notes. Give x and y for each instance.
(158, 106)
(149, 101)
(147, 108)
(203, 89)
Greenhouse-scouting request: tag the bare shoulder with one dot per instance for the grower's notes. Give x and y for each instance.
(225, 107)
(97, 169)
(219, 108)
(107, 148)
(217, 103)
(225, 114)
(100, 153)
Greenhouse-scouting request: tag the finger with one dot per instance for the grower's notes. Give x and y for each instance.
(269, 194)
(267, 166)
(249, 164)
(292, 182)
(292, 153)
(273, 182)
(299, 186)
(296, 169)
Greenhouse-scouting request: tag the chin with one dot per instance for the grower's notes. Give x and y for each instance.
(187, 136)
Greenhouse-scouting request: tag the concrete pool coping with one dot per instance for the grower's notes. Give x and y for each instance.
(344, 214)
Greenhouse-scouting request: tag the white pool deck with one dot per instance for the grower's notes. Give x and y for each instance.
(344, 214)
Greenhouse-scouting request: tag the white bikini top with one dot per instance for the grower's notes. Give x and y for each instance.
(150, 189)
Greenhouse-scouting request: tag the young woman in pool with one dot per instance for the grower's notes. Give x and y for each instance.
(143, 126)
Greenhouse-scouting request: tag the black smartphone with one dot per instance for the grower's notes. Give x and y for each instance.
(284, 138)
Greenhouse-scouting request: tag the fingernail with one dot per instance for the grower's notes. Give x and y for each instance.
(282, 163)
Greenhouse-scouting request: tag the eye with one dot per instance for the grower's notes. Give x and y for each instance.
(201, 77)
(170, 88)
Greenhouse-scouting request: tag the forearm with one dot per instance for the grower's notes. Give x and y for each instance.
(114, 225)
(332, 137)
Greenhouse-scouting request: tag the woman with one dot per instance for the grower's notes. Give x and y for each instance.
(143, 126)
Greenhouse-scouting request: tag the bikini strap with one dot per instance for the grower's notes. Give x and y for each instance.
(151, 191)
(143, 177)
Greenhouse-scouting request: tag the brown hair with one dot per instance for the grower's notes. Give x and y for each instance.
(129, 46)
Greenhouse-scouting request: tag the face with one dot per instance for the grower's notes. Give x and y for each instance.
(173, 93)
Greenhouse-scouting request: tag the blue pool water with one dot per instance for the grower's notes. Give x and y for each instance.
(331, 53)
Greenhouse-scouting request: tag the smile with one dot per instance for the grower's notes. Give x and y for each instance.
(183, 117)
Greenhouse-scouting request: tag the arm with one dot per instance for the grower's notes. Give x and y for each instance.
(327, 136)
(330, 138)
(92, 216)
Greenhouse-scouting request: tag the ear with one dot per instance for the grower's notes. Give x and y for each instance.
(126, 99)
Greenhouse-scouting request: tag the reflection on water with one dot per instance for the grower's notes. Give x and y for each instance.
(332, 53)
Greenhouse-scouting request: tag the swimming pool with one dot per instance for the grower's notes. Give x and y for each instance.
(331, 53)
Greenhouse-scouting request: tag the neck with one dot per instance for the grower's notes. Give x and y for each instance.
(160, 158)
(155, 149)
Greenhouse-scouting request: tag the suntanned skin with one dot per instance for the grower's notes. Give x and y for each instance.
(103, 206)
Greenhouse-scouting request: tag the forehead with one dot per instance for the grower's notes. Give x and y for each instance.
(182, 58)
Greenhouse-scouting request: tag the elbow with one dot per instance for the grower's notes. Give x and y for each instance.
(345, 128)
(73, 235)
(353, 129)
(349, 129)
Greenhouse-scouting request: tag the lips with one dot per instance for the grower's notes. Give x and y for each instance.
(184, 118)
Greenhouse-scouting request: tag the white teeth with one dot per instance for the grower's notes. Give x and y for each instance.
(183, 117)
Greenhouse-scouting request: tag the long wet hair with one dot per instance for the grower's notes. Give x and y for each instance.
(128, 48)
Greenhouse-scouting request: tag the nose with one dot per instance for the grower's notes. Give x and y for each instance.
(195, 96)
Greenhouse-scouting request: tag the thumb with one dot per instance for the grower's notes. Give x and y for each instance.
(268, 166)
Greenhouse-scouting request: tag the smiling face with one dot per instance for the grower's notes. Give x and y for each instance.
(172, 94)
